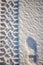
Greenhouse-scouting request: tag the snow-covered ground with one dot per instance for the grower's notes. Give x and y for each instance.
(30, 26)
(30, 32)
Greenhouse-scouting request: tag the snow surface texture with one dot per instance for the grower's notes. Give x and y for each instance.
(9, 39)
(31, 32)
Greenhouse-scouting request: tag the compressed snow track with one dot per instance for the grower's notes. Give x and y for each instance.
(9, 38)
